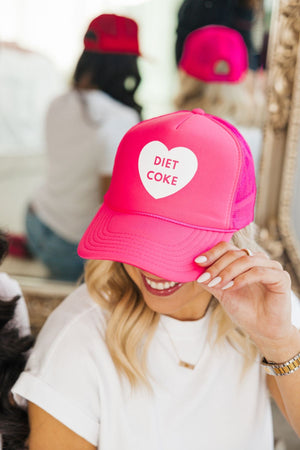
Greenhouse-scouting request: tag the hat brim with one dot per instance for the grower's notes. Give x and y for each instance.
(164, 248)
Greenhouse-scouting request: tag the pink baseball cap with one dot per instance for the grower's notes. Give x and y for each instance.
(181, 183)
(215, 53)
(110, 33)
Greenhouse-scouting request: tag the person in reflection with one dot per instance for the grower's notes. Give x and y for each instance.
(245, 16)
(184, 325)
(214, 75)
(15, 342)
(83, 129)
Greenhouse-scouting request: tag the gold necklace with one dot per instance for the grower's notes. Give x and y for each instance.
(181, 362)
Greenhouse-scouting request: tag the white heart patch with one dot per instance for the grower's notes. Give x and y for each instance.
(164, 172)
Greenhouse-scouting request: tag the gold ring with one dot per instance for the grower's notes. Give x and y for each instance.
(248, 251)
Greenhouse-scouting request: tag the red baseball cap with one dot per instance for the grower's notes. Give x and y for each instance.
(110, 33)
(215, 53)
(181, 183)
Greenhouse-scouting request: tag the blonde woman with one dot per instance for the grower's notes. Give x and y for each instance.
(214, 75)
(167, 344)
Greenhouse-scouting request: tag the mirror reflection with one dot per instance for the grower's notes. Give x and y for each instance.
(295, 203)
(50, 114)
(295, 215)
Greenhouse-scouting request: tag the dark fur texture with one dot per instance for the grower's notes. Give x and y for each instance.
(13, 355)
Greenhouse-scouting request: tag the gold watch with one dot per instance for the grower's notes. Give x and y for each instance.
(281, 369)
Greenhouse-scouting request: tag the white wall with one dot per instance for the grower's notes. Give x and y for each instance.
(55, 29)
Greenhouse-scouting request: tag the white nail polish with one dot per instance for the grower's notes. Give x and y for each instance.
(204, 277)
(228, 285)
(200, 259)
(214, 282)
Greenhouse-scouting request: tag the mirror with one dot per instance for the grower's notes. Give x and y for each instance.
(21, 172)
(278, 207)
(289, 205)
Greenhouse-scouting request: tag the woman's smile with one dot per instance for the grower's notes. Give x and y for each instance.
(159, 286)
(184, 301)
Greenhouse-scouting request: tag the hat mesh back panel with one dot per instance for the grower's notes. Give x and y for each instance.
(246, 188)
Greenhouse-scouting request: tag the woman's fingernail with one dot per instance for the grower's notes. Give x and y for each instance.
(200, 259)
(228, 285)
(204, 277)
(214, 282)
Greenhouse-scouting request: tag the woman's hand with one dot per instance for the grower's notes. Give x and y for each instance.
(254, 291)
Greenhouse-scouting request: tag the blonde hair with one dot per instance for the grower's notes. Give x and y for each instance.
(131, 323)
(241, 103)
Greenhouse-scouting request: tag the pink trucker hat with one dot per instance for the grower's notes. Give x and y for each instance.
(215, 53)
(181, 183)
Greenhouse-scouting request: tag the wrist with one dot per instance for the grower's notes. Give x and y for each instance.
(280, 350)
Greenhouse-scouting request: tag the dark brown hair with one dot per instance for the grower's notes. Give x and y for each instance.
(109, 72)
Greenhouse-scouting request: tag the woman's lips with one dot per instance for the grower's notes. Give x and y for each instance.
(160, 287)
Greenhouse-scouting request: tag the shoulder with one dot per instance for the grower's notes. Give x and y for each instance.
(75, 324)
(65, 354)
(63, 373)
(74, 331)
(62, 101)
(103, 107)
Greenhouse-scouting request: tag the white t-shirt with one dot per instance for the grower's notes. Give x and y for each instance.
(70, 374)
(9, 288)
(81, 145)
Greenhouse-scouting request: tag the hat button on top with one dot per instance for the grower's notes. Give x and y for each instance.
(198, 111)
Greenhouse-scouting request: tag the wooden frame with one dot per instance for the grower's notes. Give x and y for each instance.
(281, 140)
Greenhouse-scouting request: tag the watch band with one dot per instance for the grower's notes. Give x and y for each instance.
(282, 368)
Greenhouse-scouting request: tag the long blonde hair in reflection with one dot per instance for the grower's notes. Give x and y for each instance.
(241, 103)
(131, 323)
